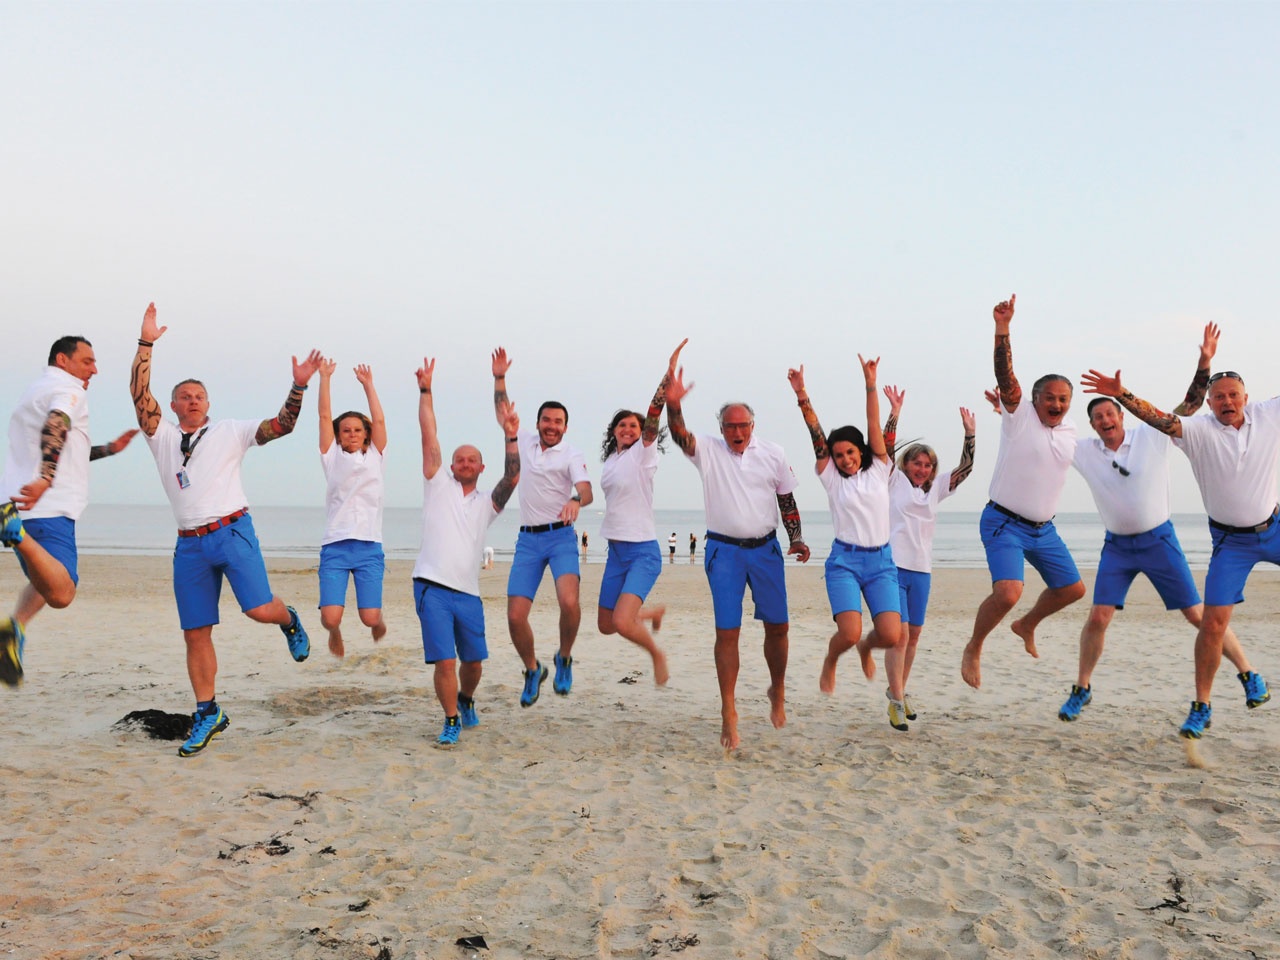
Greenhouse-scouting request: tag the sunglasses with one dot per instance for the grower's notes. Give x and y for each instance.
(1123, 471)
(1226, 373)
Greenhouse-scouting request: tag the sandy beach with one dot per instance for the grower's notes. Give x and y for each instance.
(324, 823)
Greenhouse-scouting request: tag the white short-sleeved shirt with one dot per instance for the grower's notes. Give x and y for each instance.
(913, 516)
(213, 470)
(860, 503)
(453, 531)
(1135, 503)
(354, 493)
(1236, 469)
(1032, 463)
(547, 478)
(54, 390)
(627, 483)
(740, 492)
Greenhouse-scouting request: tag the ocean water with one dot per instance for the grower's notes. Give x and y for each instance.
(296, 532)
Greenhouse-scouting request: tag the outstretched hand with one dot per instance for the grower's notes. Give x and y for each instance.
(1097, 382)
(327, 367)
(364, 374)
(675, 357)
(500, 362)
(151, 332)
(895, 398)
(122, 441)
(796, 378)
(1209, 345)
(993, 398)
(801, 550)
(302, 372)
(676, 389)
(967, 419)
(425, 373)
(1003, 311)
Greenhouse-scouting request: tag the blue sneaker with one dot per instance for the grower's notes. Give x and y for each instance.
(467, 711)
(1079, 699)
(563, 682)
(204, 727)
(296, 634)
(533, 681)
(1198, 720)
(449, 735)
(1255, 689)
(12, 642)
(11, 532)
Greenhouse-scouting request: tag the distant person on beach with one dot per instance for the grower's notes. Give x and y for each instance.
(555, 488)
(1037, 444)
(446, 582)
(486, 560)
(746, 482)
(671, 547)
(351, 453)
(1127, 470)
(693, 546)
(1233, 455)
(45, 488)
(855, 470)
(199, 463)
(630, 453)
(584, 543)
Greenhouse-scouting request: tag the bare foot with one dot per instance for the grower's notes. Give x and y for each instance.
(864, 654)
(1028, 637)
(335, 644)
(827, 679)
(379, 630)
(654, 616)
(778, 706)
(729, 731)
(969, 666)
(660, 672)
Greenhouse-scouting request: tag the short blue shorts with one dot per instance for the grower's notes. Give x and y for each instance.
(1234, 555)
(362, 560)
(452, 623)
(856, 572)
(58, 537)
(631, 568)
(1009, 542)
(1158, 554)
(200, 563)
(534, 551)
(731, 569)
(913, 595)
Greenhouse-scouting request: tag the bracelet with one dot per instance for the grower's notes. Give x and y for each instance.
(512, 439)
(424, 389)
(299, 386)
(145, 343)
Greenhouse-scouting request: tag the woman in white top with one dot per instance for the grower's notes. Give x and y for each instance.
(352, 544)
(855, 473)
(630, 454)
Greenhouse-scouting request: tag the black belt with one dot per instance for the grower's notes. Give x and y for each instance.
(431, 583)
(1037, 524)
(854, 546)
(546, 527)
(749, 542)
(218, 524)
(1256, 528)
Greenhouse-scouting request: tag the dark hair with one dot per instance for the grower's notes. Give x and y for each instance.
(1097, 400)
(65, 346)
(173, 394)
(1047, 379)
(848, 434)
(610, 443)
(364, 422)
(552, 405)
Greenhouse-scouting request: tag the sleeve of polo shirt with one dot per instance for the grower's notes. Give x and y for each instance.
(786, 477)
(66, 400)
(247, 432)
(578, 468)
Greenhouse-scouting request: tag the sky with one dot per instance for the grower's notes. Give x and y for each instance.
(586, 184)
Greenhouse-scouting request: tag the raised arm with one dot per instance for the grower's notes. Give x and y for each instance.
(875, 437)
(144, 404)
(378, 436)
(324, 404)
(431, 458)
(820, 452)
(1101, 384)
(653, 419)
(1010, 389)
(895, 398)
(510, 459)
(676, 391)
(282, 424)
(965, 467)
(500, 367)
(1200, 381)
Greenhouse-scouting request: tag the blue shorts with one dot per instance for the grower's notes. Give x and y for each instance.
(871, 572)
(58, 537)
(344, 559)
(1156, 553)
(534, 551)
(1234, 555)
(913, 595)
(631, 568)
(1009, 542)
(452, 623)
(731, 569)
(199, 564)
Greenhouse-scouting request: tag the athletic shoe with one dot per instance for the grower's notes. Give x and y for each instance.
(906, 703)
(1198, 720)
(467, 711)
(12, 642)
(1079, 699)
(533, 681)
(11, 532)
(897, 715)
(563, 682)
(1255, 689)
(204, 727)
(449, 735)
(296, 634)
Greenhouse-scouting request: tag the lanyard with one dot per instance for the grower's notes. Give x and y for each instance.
(188, 446)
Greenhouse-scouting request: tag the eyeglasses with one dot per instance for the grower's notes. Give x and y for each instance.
(1225, 373)
(1123, 471)
(736, 426)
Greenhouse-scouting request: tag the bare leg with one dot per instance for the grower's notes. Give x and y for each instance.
(469, 677)
(1092, 637)
(911, 631)
(1231, 648)
(274, 612)
(49, 578)
(521, 632)
(570, 611)
(331, 620)
(628, 621)
(446, 683)
(1048, 603)
(371, 617)
(202, 662)
(727, 678)
(1209, 640)
(776, 648)
(30, 602)
(887, 634)
(848, 631)
(1004, 597)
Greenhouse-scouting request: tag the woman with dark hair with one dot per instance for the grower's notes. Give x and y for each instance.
(855, 473)
(630, 454)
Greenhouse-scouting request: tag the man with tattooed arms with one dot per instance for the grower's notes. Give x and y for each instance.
(46, 477)
(1037, 445)
(199, 463)
(745, 482)
(1233, 456)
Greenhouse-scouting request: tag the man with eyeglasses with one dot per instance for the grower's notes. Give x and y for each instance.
(1128, 475)
(746, 483)
(1233, 455)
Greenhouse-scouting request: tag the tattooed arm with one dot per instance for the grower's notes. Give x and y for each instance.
(53, 435)
(144, 404)
(652, 427)
(98, 451)
(510, 459)
(282, 424)
(1200, 382)
(791, 523)
(820, 452)
(500, 367)
(961, 472)
(1100, 383)
(676, 391)
(1010, 389)
(895, 398)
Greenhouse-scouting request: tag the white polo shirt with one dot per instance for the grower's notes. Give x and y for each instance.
(213, 469)
(353, 495)
(740, 492)
(913, 516)
(453, 532)
(859, 504)
(627, 483)
(1032, 463)
(1136, 503)
(54, 390)
(1236, 469)
(547, 478)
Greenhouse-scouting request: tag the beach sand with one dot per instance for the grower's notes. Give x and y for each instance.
(324, 823)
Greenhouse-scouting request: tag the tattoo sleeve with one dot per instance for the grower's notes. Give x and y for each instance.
(1195, 393)
(98, 451)
(790, 516)
(144, 404)
(52, 436)
(679, 432)
(499, 395)
(1149, 414)
(1010, 389)
(890, 435)
(819, 438)
(653, 419)
(510, 477)
(961, 473)
(283, 423)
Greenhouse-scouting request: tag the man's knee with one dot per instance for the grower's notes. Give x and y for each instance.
(1073, 592)
(371, 616)
(1007, 593)
(61, 596)
(1100, 616)
(331, 617)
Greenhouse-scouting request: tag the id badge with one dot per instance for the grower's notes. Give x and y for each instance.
(183, 480)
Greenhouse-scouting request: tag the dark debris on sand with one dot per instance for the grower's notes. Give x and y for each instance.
(157, 724)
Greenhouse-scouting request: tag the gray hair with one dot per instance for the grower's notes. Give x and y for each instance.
(1047, 379)
(735, 403)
